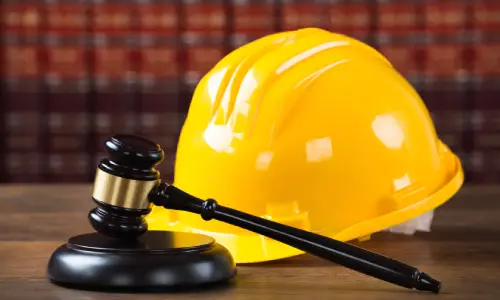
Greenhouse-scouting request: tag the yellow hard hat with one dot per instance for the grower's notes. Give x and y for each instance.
(311, 129)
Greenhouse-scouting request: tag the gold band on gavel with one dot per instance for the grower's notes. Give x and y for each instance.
(122, 192)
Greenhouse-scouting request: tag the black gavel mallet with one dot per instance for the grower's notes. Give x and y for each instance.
(127, 183)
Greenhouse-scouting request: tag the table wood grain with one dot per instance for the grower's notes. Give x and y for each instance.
(463, 251)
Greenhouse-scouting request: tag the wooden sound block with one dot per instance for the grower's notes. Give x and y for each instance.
(156, 260)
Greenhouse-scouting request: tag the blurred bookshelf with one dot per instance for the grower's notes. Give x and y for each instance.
(75, 72)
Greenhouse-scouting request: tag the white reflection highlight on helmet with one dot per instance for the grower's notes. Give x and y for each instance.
(388, 130)
(319, 149)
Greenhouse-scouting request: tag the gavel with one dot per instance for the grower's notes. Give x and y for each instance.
(127, 184)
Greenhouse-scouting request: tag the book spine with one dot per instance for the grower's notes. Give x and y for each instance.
(484, 58)
(298, 14)
(160, 77)
(203, 38)
(252, 20)
(22, 92)
(352, 18)
(114, 72)
(67, 84)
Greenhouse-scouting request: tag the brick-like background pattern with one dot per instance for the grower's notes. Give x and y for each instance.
(74, 72)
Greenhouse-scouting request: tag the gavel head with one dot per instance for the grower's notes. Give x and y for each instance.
(122, 184)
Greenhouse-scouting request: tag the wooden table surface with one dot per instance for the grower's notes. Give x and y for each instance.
(463, 251)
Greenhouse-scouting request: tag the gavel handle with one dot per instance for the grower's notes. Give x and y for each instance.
(349, 256)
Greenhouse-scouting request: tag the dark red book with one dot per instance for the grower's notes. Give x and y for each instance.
(253, 19)
(298, 14)
(66, 18)
(205, 18)
(446, 17)
(22, 93)
(352, 18)
(405, 59)
(24, 154)
(486, 15)
(22, 17)
(159, 17)
(201, 57)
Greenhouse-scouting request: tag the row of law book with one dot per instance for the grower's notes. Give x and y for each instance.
(58, 129)
(151, 40)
